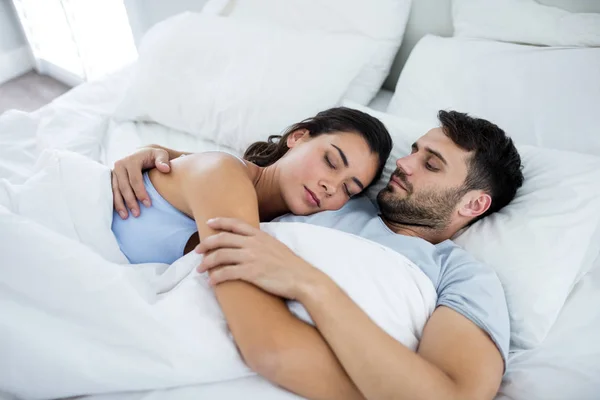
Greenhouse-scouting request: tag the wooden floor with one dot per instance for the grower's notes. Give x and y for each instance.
(29, 92)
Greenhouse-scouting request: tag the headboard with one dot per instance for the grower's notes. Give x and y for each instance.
(435, 17)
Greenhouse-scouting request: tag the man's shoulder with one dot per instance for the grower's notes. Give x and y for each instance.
(473, 289)
(451, 256)
(459, 268)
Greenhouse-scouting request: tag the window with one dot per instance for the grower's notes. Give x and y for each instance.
(78, 40)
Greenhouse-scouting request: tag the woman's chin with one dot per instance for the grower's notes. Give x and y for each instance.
(302, 209)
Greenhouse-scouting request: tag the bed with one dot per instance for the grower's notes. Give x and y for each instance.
(565, 364)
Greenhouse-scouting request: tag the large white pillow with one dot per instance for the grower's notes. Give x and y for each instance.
(380, 22)
(236, 82)
(542, 243)
(524, 21)
(540, 96)
(387, 286)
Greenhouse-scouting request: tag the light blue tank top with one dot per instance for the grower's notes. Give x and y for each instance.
(158, 234)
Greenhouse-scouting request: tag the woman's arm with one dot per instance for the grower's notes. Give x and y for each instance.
(213, 186)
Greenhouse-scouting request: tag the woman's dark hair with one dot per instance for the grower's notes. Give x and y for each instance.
(495, 166)
(334, 120)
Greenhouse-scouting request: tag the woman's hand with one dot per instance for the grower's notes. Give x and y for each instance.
(243, 252)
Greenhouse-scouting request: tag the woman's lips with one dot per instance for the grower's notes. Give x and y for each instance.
(312, 198)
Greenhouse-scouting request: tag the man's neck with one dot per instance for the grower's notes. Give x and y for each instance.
(423, 232)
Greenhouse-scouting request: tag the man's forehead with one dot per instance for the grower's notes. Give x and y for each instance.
(437, 140)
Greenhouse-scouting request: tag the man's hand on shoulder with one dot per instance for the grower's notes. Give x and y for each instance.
(128, 183)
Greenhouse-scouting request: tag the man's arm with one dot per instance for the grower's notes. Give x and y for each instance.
(127, 183)
(455, 359)
(171, 152)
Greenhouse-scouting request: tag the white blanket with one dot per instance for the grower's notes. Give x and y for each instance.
(76, 319)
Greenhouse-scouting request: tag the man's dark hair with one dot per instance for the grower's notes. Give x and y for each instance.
(495, 166)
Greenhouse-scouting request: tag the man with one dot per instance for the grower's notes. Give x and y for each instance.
(456, 174)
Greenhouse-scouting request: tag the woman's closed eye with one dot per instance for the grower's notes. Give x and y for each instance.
(348, 192)
(328, 161)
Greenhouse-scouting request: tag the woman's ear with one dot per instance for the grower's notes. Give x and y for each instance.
(296, 137)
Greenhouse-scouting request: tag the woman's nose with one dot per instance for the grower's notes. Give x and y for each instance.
(330, 189)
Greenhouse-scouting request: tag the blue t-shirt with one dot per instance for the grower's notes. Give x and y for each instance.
(462, 283)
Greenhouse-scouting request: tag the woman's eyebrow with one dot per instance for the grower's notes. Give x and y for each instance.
(344, 159)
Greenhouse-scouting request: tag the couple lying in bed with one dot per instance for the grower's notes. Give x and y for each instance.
(213, 202)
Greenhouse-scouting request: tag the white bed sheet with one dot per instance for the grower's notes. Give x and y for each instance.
(566, 366)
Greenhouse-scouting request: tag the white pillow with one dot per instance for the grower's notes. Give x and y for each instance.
(381, 22)
(237, 82)
(540, 96)
(392, 290)
(524, 21)
(544, 241)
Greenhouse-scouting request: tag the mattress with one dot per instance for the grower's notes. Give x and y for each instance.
(565, 366)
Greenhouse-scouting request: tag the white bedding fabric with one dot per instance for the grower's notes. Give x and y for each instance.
(380, 22)
(229, 81)
(524, 21)
(565, 366)
(541, 96)
(106, 326)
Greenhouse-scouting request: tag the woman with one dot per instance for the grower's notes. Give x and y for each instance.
(318, 164)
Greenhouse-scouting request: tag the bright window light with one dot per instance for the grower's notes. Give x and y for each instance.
(86, 38)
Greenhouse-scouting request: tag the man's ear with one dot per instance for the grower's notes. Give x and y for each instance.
(296, 137)
(475, 203)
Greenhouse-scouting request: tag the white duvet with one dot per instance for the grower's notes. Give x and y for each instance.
(76, 319)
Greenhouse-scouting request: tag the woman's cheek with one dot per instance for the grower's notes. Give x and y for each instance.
(337, 202)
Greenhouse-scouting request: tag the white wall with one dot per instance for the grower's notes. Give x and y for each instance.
(143, 14)
(11, 36)
(14, 52)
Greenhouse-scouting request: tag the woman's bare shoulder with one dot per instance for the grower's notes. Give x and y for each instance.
(209, 173)
(210, 162)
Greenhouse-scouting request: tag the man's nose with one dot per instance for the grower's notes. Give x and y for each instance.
(406, 164)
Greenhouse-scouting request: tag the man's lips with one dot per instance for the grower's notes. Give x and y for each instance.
(396, 180)
(312, 197)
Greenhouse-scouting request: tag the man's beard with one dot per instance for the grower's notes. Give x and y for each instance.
(430, 209)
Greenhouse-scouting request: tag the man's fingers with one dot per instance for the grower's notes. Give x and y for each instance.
(117, 198)
(220, 258)
(136, 180)
(162, 162)
(220, 240)
(232, 225)
(126, 192)
(225, 273)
